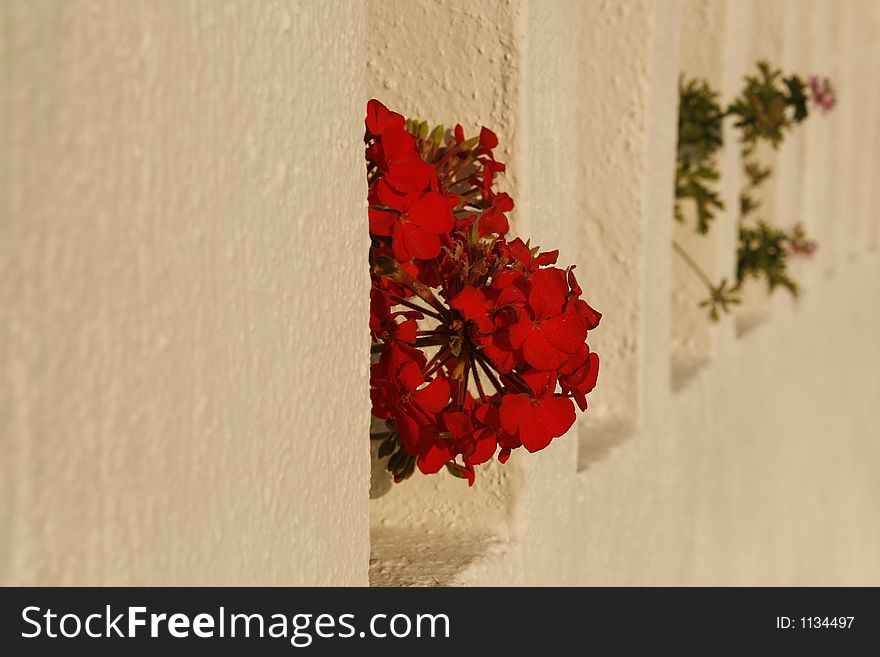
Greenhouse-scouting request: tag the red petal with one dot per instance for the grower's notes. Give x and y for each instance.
(539, 381)
(458, 423)
(398, 241)
(470, 474)
(382, 222)
(410, 175)
(406, 331)
(422, 244)
(533, 433)
(520, 252)
(572, 282)
(593, 375)
(472, 304)
(485, 448)
(399, 145)
(503, 202)
(410, 376)
(493, 222)
(434, 459)
(575, 361)
(380, 311)
(384, 194)
(539, 353)
(547, 258)
(503, 360)
(518, 333)
(488, 138)
(433, 397)
(509, 296)
(431, 212)
(380, 118)
(513, 409)
(590, 315)
(409, 314)
(565, 332)
(409, 431)
(487, 414)
(547, 293)
(398, 355)
(557, 415)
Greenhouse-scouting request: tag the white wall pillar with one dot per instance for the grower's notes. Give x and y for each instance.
(551, 146)
(627, 120)
(865, 59)
(712, 49)
(184, 247)
(449, 61)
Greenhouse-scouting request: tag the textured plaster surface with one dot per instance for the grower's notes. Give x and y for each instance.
(767, 26)
(182, 293)
(756, 471)
(184, 358)
(761, 472)
(704, 30)
(446, 62)
(612, 121)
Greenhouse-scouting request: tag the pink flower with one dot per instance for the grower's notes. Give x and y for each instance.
(823, 93)
(799, 244)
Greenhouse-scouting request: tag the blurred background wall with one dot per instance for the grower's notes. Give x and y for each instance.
(183, 296)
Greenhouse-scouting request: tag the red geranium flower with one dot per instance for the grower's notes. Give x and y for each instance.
(481, 339)
(414, 221)
(470, 432)
(538, 418)
(400, 391)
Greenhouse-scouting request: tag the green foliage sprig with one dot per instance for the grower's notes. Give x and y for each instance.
(763, 253)
(769, 106)
(766, 110)
(699, 139)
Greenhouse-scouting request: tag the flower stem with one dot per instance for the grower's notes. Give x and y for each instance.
(436, 332)
(438, 361)
(435, 265)
(693, 265)
(463, 385)
(492, 378)
(516, 381)
(455, 150)
(403, 302)
(430, 342)
(477, 381)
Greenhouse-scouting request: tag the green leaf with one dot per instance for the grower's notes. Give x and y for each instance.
(468, 144)
(699, 139)
(397, 461)
(387, 446)
(406, 471)
(763, 254)
(769, 106)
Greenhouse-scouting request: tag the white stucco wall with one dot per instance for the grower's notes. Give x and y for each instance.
(183, 297)
(184, 358)
(701, 457)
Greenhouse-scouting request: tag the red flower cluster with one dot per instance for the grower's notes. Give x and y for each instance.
(481, 341)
